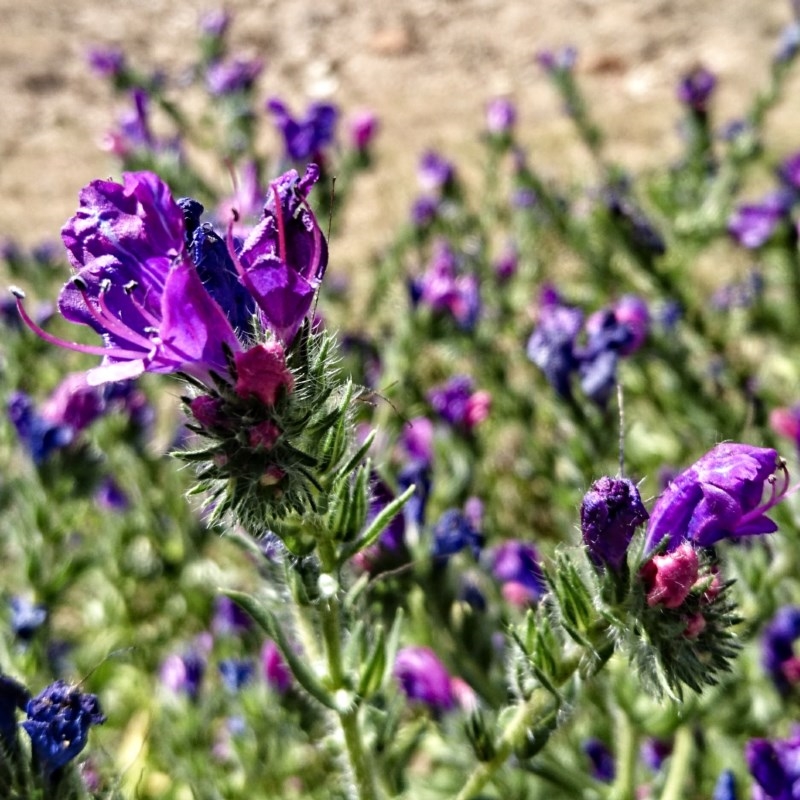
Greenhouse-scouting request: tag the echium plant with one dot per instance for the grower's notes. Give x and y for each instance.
(168, 294)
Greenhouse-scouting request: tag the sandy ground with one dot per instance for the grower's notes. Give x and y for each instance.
(425, 66)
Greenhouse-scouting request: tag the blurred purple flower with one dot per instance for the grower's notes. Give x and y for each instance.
(230, 619)
(276, 673)
(789, 171)
(435, 174)
(554, 61)
(552, 344)
(721, 496)
(456, 402)
(501, 116)
(775, 766)
(233, 76)
(601, 760)
(74, 403)
(424, 211)
(362, 129)
(40, 437)
(423, 678)
(416, 439)
(183, 674)
(752, 224)
(26, 617)
(516, 565)
(235, 673)
(725, 787)
(452, 533)
(305, 138)
(215, 23)
(653, 752)
(58, 723)
(110, 496)
(778, 648)
(106, 62)
(695, 89)
(788, 44)
(443, 288)
(507, 263)
(610, 513)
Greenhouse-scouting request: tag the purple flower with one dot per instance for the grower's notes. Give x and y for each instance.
(106, 62)
(516, 565)
(443, 288)
(40, 437)
(13, 697)
(138, 287)
(276, 673)
(452, 533)
(752, 224)
(501, 116)
(695, 89)
(26, 617)
(554, 61)
(725, 787)
(507, 263)
(362, 129)
(183, 674)
(416, 439)
(789, 171)
(435, 174)
(215, 23)
(720, 496)
(775, 766)
(788, 44)
(233, 75)
(455, 402)
(229, 617)
(235, 673)
(608, 338)
(653, 752)
(304, 138)
(423, 678)
(110, 496)
(552, 344)
(58, 723)
(778, 656)
(600, 759)
(610, 513)
(74, 403)
(423, 211)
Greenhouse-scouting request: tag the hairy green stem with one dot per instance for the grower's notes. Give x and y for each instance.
(330, 617)
(538, 706)
(680, 764)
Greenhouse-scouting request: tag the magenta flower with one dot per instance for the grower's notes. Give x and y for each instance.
(516, 565)
(668, 579)
(276, 673)
(752, 224)
(423, 678)
(362, 129)
(725, 494)
(501, 116)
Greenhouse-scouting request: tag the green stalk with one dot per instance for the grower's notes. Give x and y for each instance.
(330, 615)
(538, 706)
(680, 764)
(627, 753)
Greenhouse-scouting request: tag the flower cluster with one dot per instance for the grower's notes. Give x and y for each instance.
(610, 333)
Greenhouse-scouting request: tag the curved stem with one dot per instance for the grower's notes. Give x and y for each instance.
(680, 764)
(627, 756)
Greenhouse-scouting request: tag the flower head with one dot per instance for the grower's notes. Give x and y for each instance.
(696, 87)
(233, 75)
(276, 673)
(362, 129)
(752, 224)
(456, 402)
(601, 760)
(501, 116)
(305, 137)
(778, 648)
(610, 513)
(423, 678)
(775, 766)
(452, 533)
(159, 288)
(58, 723)
(721, 496)
(516, 565)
